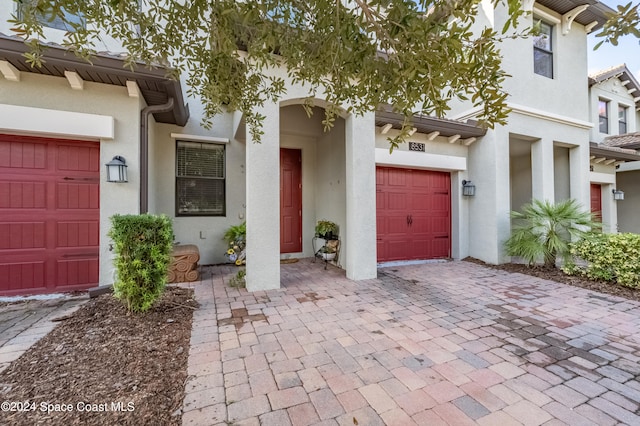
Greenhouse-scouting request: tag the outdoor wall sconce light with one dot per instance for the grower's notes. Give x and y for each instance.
(468, 188)
(117, 170)
(618, 195)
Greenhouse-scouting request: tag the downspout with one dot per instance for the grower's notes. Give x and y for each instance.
(144, 150)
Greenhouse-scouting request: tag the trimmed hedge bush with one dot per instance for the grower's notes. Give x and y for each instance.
(143, 246)
(609, 257)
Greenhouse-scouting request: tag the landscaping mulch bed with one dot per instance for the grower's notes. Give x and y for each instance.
(559, 276)
(103, 366)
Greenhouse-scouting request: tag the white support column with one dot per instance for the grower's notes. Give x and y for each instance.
(609, 209)
(542, 186)
(579, 172)
(263, 204)
(459, 217)
(360, 240)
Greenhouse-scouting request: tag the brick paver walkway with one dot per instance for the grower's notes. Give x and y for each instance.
(23, 324)
(447, 343)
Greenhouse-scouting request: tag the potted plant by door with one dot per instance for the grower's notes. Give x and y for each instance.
(326, 230)
(327, 252)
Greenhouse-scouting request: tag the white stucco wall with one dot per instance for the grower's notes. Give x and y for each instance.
(617, 95)
(561, 173)
(628, 217)
(330, 184)
(490, 169)
(54, 93)
(204, 231)
(521, 192)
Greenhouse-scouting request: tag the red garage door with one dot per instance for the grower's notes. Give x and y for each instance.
(413, 214)
(49, 214)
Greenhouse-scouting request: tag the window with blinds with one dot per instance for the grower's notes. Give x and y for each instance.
(200, 179)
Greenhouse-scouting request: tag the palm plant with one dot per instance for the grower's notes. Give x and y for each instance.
(543, 230)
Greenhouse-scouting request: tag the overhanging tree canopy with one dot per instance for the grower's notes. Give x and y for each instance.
(414, 55)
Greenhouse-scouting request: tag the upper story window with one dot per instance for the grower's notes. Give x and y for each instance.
(200, 179)
(603, 116)
(543, 52)
(622, 119)
(51, 21)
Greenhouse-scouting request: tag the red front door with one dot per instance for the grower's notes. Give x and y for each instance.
(413, 214)
(49, 214)
(596, 200)
(290, 200)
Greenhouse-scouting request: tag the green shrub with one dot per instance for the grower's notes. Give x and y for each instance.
(609, 257)
(238, 280)
(142, 246)
(543, 230)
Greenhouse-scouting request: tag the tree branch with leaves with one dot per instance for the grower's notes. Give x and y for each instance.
(417, 56)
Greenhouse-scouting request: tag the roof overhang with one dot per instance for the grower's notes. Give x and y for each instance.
(627, 140)
(622, 73)
(600, 153)
(153, 83)
(596, 12)
(385, 116)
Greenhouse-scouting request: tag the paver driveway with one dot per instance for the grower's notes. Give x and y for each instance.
(445, 343)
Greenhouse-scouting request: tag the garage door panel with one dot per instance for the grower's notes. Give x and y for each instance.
(22, 235)
(441, 246)
(77, 196)
(396, 225)
(420, 179)
(22, 155)
(396, 177)
(20, 276)
(23, 195)
(78, 158)
(397, 201)
(49, 213)
(396, 249)
(420, 202)
(441, 202)
(439, 225)
(76, 272)
(77, 234)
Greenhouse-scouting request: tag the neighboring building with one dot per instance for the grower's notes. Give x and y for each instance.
(614, 102)
(62, 123)
(543, 151)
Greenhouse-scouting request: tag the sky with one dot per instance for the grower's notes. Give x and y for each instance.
(627, 51)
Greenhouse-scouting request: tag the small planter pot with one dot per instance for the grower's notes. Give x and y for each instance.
(328, 256)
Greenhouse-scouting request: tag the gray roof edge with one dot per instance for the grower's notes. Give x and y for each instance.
(110, 64)
(428, 123)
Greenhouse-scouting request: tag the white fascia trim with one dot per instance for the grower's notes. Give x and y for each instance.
(629, 166)
(419, 160)
(545, 14)
(470, 113)
(54, 122)
(531, 112)
(538, 113)
(595, 177)
(198, 138)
